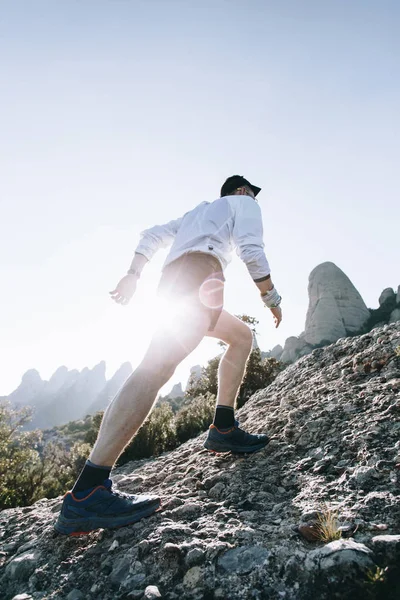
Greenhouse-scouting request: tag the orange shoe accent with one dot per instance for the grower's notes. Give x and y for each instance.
(223, 432)
(88, 496)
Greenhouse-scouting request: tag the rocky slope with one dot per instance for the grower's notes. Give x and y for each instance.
(240, 527)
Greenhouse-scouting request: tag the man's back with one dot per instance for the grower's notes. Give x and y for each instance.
(214, 228)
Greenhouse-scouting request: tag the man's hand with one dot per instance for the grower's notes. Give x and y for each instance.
(125, 289)
(277, 312)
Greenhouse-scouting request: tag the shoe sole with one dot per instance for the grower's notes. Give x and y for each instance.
(220, 447)
(84, 526)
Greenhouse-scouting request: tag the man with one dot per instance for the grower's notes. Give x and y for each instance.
(192, 278)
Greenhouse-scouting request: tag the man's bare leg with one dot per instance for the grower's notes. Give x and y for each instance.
(132, 404)
(239, 338)
(224, 435)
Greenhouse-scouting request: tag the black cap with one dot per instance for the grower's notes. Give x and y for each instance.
(235, 182)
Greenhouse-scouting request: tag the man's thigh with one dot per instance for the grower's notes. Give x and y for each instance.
(176, 338)
(230, 329)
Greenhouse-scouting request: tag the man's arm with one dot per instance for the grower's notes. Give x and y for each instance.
(248, 238)
(159, 236)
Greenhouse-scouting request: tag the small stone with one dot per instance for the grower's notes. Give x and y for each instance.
(113, 546)
(309, 532)
(152, 592)
(195, 556)
(120, 569)
(217, 490)
(170, 548)
(192, 577)
(378, 526)
(244, 559)
(22, 566)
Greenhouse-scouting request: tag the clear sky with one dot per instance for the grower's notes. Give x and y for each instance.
(120, 114)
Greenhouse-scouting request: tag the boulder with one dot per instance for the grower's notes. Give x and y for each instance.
(276, 352)
(387, 297)
(340, 555)
(294, 348)
(336, 308)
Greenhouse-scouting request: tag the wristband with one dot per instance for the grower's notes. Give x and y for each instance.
(134, 272)
(271, 299)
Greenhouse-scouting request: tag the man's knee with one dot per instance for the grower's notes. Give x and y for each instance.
(244, 339)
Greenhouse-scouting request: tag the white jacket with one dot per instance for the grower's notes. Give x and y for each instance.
(215, 228)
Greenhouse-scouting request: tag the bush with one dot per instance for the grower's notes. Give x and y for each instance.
(260, 372)
(194, 417)
(91, 434)
(28, 470)
(156, 435)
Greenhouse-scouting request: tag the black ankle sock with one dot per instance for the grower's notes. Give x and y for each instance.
(91, 476)
(224, 417)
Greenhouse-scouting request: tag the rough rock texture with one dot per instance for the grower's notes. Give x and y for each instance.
(229, 526)
(336, 308)
(295, 347)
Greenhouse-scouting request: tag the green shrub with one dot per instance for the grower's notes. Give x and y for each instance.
(28, 470)
(260, 372)
(194, 417)
(156, 435)
(91, 434)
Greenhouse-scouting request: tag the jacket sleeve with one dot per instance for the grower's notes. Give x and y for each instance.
(159, 236)
(248, 237)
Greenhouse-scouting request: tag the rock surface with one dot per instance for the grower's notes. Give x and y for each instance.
(388, 296)
(228, 527)
(336, 308)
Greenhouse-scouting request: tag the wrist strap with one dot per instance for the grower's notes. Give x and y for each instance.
(271, 299)
(134, 272)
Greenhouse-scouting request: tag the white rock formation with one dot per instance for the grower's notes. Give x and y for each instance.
(294, 348)
(336, 308)
(387, 294)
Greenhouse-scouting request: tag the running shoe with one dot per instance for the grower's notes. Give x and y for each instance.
(102, 507)
(234, 440)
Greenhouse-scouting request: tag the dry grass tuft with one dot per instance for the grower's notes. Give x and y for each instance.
(327, 526)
